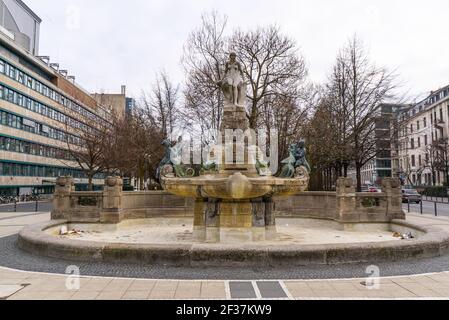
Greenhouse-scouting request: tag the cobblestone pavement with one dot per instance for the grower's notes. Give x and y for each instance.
(422, 279)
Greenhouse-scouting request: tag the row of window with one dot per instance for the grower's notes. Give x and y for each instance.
(429, 178)
(25, 79)
(31, 170)
(19, 99)
(17, 122)
(35, 149)
(435, 137)
(420, 160)
(429, 101)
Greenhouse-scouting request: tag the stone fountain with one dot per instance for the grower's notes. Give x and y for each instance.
(234, 191)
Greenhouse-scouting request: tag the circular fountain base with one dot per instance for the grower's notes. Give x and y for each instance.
(171, 241)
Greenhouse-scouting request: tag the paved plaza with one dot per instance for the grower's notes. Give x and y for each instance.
(17, 285)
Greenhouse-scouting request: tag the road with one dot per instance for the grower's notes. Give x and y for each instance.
(429, 208)
(27, 207)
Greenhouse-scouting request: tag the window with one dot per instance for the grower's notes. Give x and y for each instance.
(413, 161)
(419, 142)
(425, 122)
(420, 160)
(412, 143)
(411, 128)
(417, 125)
(425, 140)
(2, 67)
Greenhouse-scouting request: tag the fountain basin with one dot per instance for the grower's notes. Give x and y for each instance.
(233, 187)
(290, 249)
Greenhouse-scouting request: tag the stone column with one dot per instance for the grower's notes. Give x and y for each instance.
(270, 219)
(392, 188)
(199, 219)
(346, 201)
(112, 200)
(61, 199)
(212, 219)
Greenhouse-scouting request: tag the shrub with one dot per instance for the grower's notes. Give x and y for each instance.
(433, 191)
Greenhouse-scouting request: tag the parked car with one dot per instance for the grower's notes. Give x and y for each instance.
(374, 189)
(365, 188)
(410, 195)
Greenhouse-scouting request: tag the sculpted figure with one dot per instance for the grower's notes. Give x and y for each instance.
(296, 164)
(301, 156)
(233, 85)
(171, 164)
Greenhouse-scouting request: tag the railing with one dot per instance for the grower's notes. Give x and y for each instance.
(370, 202)
(86, 200)
(37, 204)
(432, 209)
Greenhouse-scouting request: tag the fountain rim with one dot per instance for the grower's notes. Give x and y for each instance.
(433, 243)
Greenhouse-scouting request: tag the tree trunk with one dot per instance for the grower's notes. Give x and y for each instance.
(358, 169)
(90, 186)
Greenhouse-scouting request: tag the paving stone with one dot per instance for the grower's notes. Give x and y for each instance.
(136, 295)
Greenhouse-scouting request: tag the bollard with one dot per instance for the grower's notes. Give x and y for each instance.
(420, 206)
(37, 206)
(408, 205)
(15, 205)
(436, 211)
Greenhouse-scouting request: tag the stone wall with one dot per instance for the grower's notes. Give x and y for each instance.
(112, 205)
(307, 205)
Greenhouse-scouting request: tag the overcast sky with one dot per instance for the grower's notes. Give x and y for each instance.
(106, 43)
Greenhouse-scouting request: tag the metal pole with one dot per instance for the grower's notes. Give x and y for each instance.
(420, 206)
(15, 205)
(408, 205)
(37, 205)
(436, 210)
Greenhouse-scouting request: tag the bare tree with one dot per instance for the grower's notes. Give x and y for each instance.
(203, 59)
(162, 104)
(273, 67)
(359, 87)
(86, 145)
(134, 146)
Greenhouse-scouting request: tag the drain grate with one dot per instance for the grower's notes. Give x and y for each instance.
(271, 290)
(242, 290)
(256, 290)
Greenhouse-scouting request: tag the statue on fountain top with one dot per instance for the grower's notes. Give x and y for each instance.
(233, 84)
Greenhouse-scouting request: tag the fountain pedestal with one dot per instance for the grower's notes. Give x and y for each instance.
(224, 220)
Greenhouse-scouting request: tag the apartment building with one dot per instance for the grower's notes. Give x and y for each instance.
(385, 134)
(423, 140)
(41, 107)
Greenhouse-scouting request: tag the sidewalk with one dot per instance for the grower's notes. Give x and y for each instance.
(17, 285)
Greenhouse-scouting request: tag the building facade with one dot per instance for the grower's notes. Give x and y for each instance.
(40, 109)
(385, 135)
(117, 104)
(20, 24)
(423, 141)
